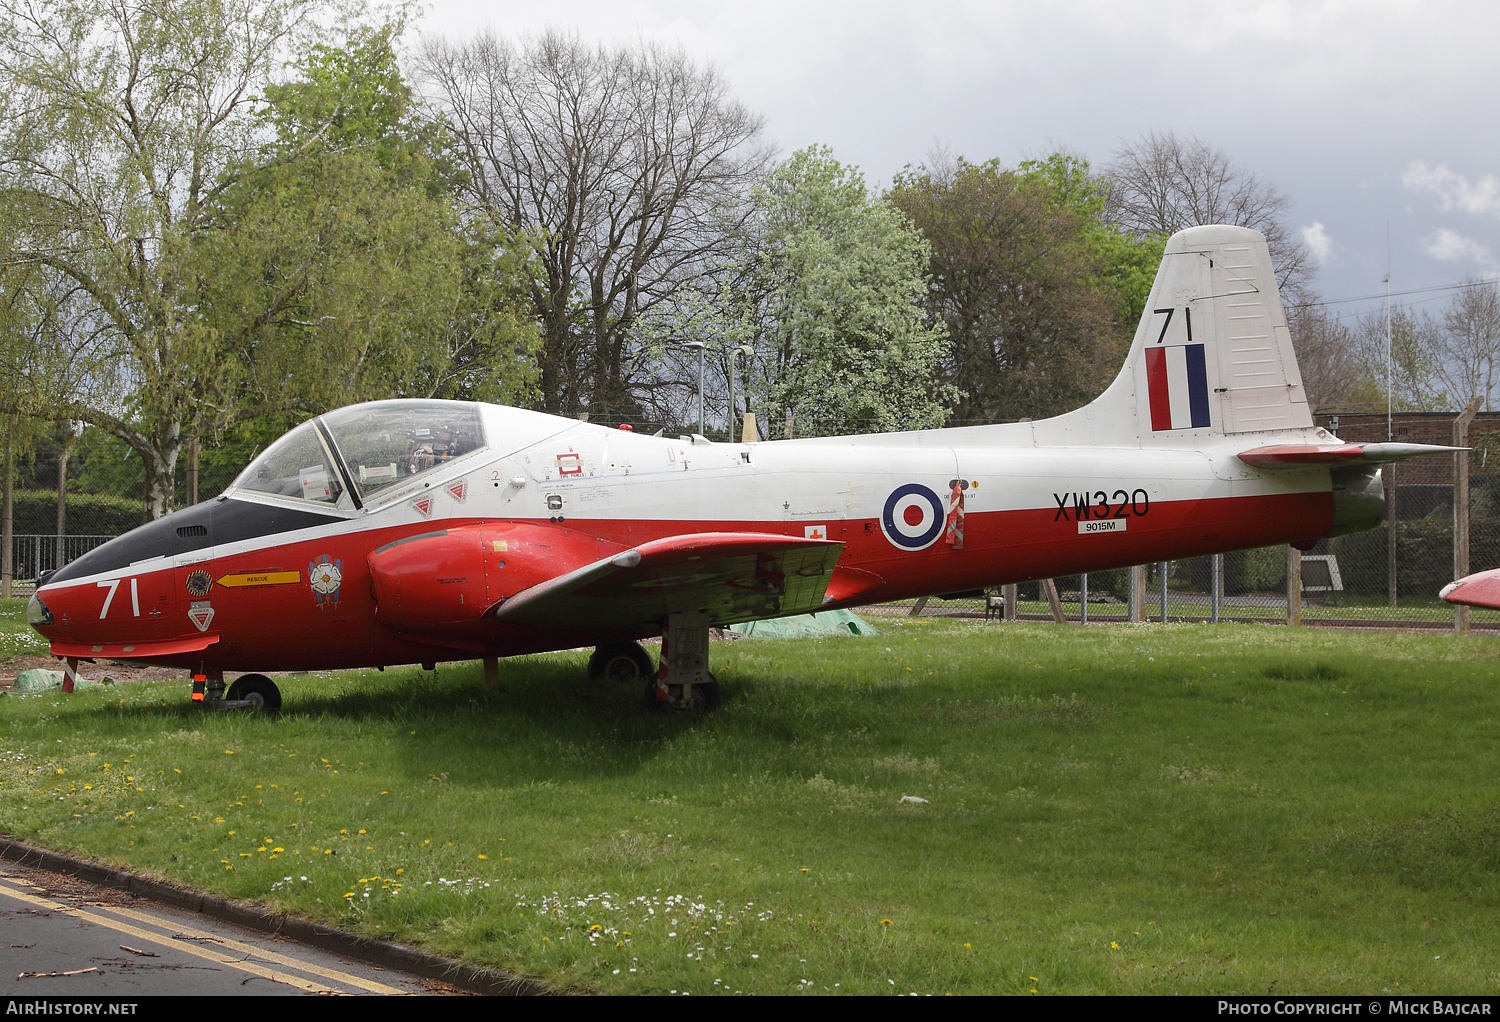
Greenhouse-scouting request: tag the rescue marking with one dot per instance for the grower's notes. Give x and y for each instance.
(815, 532)
(1099, 505)
(913, 517)
(265, 578)
(569, 465)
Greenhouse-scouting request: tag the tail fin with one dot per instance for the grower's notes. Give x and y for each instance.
(1212, 351)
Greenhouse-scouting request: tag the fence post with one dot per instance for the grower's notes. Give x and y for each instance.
(1136, 604)
(1461, 507)
(1388, 476)
(192, 479)
(1293, 586)
(1083, 598)
(1216, 583)
(1163, 569)
(1009, 592)
(62, 501)
(7, 556)
(1049, 585)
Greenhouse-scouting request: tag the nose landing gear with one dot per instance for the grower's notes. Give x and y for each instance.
(254, 693)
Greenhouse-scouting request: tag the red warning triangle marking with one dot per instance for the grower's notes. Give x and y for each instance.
(424, 506)
(459, 490)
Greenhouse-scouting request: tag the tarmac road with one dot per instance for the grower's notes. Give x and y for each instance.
(90, 941)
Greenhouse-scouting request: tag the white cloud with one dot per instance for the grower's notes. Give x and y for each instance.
(1453, 191)
(1317, 241)
(1450, 246)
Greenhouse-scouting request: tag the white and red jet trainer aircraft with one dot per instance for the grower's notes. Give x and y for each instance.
(414, 531)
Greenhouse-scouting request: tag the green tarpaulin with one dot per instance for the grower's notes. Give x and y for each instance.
(804, 626)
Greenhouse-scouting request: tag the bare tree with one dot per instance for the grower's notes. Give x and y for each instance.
(121, 126)
(1335, 373)
(620, 164)
(1415, 377)
(1467, 341)
(1160, 184)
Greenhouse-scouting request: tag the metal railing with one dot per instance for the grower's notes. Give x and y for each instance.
(34, 554)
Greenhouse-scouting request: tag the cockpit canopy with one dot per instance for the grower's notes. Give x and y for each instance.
(364, 451)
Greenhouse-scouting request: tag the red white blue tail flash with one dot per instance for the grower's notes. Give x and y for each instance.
(1178, 382)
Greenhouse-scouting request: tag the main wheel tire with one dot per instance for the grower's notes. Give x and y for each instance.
(258, 690)
(625, 663)
(706, 698)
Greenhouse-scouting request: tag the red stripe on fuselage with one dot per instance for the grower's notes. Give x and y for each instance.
(283, 627)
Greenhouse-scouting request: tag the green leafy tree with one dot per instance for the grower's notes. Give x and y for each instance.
(244, 247)
(833, 281)
(356, 250)
(1038, 294)
(120, 127)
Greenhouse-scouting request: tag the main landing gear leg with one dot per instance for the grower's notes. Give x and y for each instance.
(683, 681)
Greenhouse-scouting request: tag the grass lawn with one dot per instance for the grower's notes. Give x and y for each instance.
(1178, 808)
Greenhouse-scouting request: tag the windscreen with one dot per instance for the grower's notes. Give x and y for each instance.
(294, 466)
(386, 443)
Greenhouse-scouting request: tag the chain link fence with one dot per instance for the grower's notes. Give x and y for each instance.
(1386, 577)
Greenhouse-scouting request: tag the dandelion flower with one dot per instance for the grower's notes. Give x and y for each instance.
(885, 922)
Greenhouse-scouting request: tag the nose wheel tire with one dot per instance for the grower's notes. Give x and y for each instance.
(625, 663)
(256, 690)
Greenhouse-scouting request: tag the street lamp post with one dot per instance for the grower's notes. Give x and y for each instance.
(735, 352)
(699, 347)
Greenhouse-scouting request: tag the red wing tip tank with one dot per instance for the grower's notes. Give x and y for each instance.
(416, 531)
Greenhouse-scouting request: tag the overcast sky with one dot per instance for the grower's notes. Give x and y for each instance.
(1363, 113)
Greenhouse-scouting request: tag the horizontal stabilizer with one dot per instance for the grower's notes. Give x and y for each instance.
(1481, 589)
(1308, 455)
(733, 576)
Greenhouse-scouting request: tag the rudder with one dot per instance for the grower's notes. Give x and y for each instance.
(1213, 352)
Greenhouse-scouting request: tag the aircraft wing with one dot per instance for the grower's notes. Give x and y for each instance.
(1482, 589)
(734, 576)
(1308, 455)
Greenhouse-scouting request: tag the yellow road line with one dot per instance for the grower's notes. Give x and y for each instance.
(271, 956)
(8, 890)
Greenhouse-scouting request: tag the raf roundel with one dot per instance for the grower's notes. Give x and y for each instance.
(913, 517)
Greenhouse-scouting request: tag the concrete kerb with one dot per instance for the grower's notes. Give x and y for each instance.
(326, 938)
